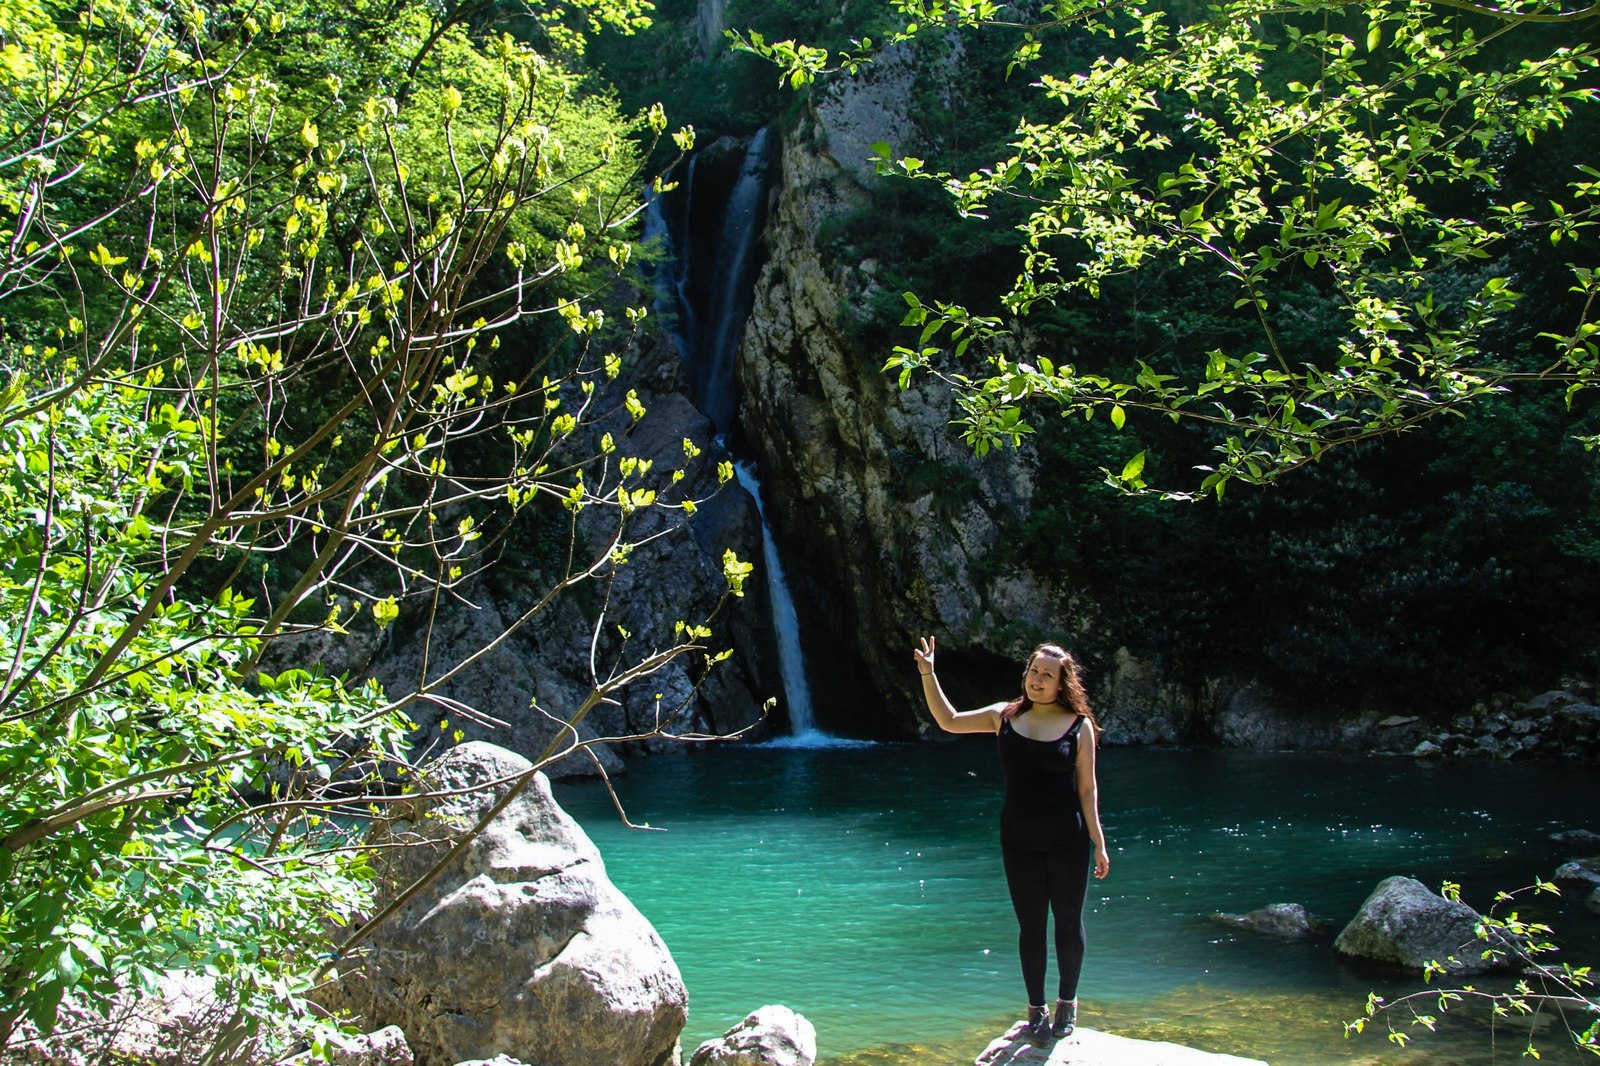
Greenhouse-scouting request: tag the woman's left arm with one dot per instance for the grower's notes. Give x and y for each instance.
(1089, 797)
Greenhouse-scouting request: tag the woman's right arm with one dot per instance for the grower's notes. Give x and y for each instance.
(982, 720)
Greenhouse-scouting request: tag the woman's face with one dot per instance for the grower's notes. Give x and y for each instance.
(1042, 684)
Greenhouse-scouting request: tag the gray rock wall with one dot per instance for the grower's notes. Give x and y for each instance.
(873, 564)
(542, 671)
(860, 473)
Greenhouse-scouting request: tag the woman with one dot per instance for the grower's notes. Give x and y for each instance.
(1050, 817)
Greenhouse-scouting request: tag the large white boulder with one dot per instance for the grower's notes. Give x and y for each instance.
(523, 946)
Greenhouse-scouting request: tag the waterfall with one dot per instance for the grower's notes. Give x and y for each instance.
(785, 623)
(705, 289)
(803, 732)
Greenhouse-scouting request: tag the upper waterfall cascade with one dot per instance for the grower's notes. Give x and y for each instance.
(714, 242)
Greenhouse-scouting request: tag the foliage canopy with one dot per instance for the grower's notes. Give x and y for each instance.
(1355, 155)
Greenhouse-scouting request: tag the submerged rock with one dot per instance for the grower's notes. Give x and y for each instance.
(1407, 925)
(1089, 1047)
(1578, 838)
(772, 1035)
(1583, 871)
(1275, 919)
(522, 945)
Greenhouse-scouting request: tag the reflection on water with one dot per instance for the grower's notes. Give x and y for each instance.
(862, 887)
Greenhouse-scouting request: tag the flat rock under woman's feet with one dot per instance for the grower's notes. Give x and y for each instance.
(1088, 1047)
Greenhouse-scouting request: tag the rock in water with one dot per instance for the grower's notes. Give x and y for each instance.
(769, 1036)
(1275, 919)
(1405, 924)
(522, 946)
(1578, 838)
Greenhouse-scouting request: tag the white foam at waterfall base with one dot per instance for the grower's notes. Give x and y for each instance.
(815, 740)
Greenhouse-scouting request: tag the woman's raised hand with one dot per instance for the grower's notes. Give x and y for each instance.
(924, 654)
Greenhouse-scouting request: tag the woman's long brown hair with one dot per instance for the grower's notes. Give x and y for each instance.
(1070, 694)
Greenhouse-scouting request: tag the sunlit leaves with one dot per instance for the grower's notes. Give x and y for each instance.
(385, 611)
(114, 894)
(1510, 939)
(735, 571)
(1279, 149)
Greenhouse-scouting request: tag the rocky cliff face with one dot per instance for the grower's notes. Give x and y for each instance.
(887, 521)
(890, 526)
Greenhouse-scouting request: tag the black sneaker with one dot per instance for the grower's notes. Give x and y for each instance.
(1038, 1030)
(1066, 1018)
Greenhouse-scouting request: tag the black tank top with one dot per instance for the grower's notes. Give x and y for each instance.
(1041, 808)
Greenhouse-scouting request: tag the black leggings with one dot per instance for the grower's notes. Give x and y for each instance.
(1042, 882)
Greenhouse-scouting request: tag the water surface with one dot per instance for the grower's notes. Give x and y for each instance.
(862, 887)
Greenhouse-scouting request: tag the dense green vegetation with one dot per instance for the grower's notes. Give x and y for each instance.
(1422, 561)
(300, 328)
(1359, 152)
